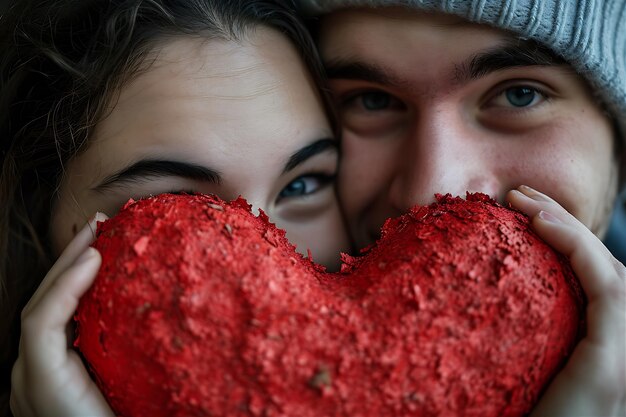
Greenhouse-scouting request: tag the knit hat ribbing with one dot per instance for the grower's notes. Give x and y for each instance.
(589, 34)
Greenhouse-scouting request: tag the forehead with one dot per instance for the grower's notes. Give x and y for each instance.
(214, 97)
(397, 15)
(425, 52)
(374, 31)
(218, 73)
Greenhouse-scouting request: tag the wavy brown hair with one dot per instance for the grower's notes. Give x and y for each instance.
(62, 62)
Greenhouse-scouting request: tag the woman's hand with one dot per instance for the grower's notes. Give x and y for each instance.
(593, 382)
(48, 377)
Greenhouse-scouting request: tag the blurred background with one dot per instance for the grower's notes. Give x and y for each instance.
(616, 238)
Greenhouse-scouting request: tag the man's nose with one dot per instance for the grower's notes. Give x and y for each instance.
(442, 153)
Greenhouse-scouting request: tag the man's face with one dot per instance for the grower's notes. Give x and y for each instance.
(432, 104)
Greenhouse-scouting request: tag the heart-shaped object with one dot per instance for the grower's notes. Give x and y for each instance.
(202, 309)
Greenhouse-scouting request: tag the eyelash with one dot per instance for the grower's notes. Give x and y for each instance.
(547, 97)
(352, 96)
(349, 97)
(323, 178)
(183, 191)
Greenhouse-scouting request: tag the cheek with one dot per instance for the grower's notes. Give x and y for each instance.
(71, 212)
(327, 248)
(325, 236)
(364, 169)
(63, 227)
(573, 163)
(596, 177)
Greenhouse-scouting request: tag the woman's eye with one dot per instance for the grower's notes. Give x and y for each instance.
(304, 185)
(181, 192)
(519, 97)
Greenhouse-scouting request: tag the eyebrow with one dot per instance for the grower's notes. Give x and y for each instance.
(155, 168)
(515, 53)
(310, 151)
(348, 70)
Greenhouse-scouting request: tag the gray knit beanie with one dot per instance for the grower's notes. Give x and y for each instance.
(589, 34)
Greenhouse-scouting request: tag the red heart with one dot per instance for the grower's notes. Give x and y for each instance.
(202, 309)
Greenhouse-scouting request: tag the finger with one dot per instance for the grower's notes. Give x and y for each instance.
(15, 406)
(91, 398)
(74, 249)
(19, 405)
(600, 281)
(593, 265)
(600, 274)
(569, 236)
(593, 381)
(531, 202)
(592, 262)
(583, 388)
(69, 392)
(44, 343)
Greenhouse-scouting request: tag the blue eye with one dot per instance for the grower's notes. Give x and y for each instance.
(521, 96)
(304, 185)
(294, 188)
(375, 100)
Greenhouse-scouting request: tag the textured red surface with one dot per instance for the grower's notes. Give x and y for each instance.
(202, 309)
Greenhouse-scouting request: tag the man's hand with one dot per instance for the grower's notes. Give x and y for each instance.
(593, 382)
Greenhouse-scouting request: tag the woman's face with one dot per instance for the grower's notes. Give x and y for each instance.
(222, 117)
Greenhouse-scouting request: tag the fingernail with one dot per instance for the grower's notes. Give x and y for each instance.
(100, 217)
(92, 224)
(86, 256)
(548, 217)
(532, 193)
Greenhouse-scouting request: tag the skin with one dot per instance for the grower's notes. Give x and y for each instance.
(428, 129)
(239, 109)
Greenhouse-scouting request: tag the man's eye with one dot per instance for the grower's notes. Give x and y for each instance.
(519, 97)
(371, 101)
(304, 185)
(375, 100)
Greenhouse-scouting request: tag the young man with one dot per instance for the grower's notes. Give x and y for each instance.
(454, 96)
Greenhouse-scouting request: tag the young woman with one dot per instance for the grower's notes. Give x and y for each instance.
(102, 101)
